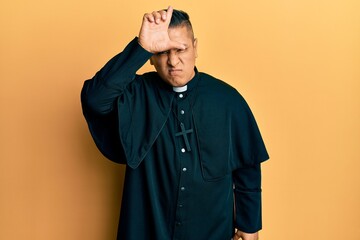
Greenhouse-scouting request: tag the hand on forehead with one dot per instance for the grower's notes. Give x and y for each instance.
(154, 36)
(160, 16)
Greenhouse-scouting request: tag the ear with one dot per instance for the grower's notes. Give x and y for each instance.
(195, 47)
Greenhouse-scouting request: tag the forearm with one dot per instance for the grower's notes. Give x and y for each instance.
(100, 92)
(247, 191)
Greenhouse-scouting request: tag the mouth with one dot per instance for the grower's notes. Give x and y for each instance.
(174, 71)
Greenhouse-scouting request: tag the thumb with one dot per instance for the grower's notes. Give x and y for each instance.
(176, 45)
(169, 12)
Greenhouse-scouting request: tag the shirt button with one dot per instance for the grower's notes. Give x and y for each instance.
(183, 150)
(182, 112)
(178, 224)
(180, 205)
(181, 95)
(182, 188)
(184, 169)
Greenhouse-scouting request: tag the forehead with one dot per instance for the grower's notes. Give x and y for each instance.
(182, 33)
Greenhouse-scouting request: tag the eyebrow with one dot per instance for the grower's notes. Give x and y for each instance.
(186, 47)
(159, 53)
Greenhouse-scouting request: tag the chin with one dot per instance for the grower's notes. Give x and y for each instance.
(175, 83)
(179, 82)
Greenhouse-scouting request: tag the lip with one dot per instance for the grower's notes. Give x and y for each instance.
(174, 71)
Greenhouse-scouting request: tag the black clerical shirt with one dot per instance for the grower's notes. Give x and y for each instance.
(181, 182)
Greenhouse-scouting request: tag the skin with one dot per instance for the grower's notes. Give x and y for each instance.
(246, 236)
(176, 66)
(175, 51)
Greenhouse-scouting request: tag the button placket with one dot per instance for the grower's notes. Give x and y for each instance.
(181, 117)
(184, 170)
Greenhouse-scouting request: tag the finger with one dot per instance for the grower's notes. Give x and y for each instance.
(237, 235)
(169, 13)
(157, 17)
(149, 17)
(163, 15)
(176, 45)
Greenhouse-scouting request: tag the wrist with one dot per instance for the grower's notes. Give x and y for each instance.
(141, 43)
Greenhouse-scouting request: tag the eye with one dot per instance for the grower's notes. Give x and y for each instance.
(162, 53)
(181, 50)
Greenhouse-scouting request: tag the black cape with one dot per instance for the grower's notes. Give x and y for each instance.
(129, 116)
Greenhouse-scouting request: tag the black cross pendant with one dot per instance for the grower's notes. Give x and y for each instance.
(184, 133)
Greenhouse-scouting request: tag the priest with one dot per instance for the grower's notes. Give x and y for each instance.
(190, 143)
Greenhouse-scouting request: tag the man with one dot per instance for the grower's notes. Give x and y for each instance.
(190, 142)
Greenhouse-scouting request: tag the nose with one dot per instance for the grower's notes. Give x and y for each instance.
(173, 58)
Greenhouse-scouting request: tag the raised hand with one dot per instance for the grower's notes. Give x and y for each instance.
(154, 36)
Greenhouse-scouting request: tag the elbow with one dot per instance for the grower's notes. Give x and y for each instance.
(91, 101)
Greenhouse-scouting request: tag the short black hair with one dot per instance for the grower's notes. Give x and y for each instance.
(180, 18)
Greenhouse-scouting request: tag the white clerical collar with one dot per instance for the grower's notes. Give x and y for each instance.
(180, 89)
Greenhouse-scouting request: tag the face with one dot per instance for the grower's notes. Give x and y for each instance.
(176, 66)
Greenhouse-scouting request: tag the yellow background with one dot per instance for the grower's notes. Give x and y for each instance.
(297, 62)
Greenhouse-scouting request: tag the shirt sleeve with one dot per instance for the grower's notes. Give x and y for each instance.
(100, 93)
(247, 192)
(99, 96)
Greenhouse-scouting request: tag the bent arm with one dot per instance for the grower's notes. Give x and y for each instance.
(100, 93)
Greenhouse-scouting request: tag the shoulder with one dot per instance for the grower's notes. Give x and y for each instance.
(150, 75)
(147, 79)
(152, 79)
(215, 87)
(149, 82)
